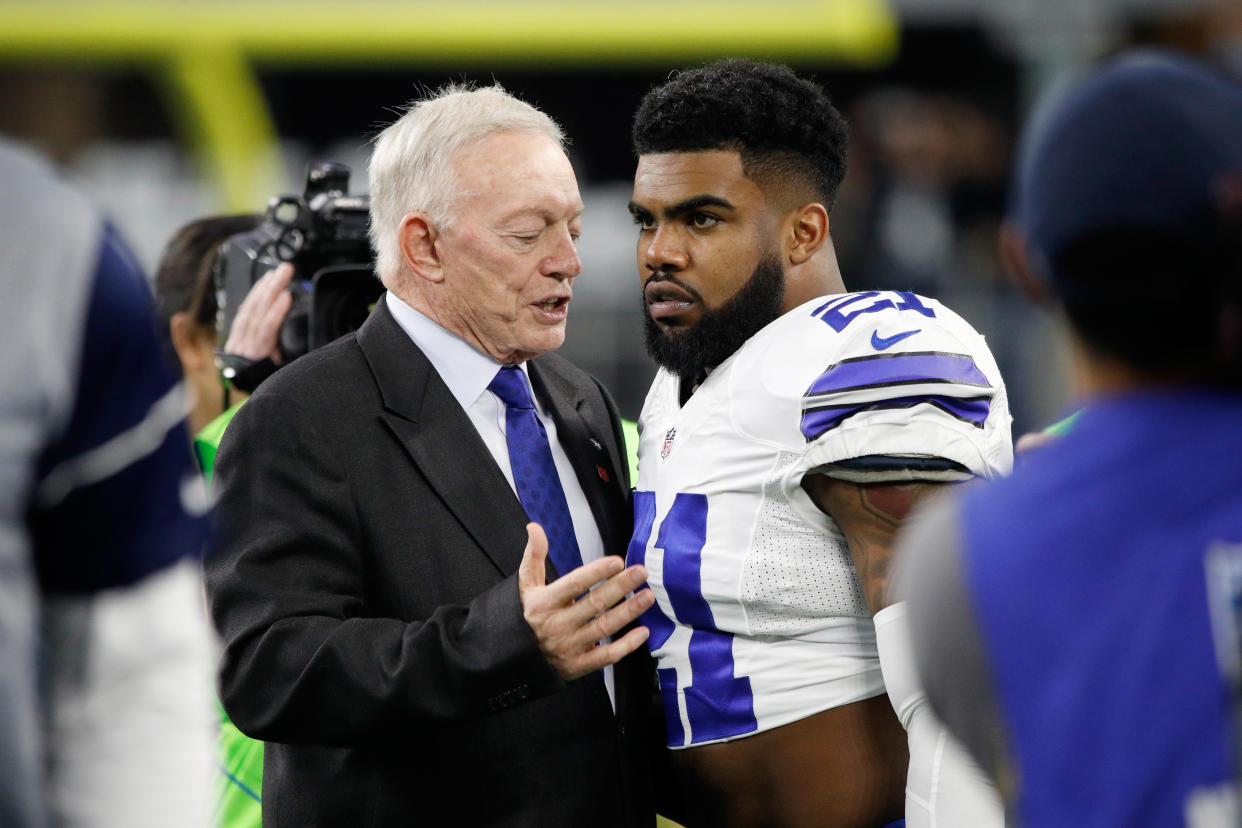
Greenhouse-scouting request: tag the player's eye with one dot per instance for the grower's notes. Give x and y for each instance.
(643, 220)
(703, 221)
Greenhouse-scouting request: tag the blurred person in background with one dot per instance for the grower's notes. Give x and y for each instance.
(932, 167)
(187, 309)
(394, 623)
(788, 432)
(105, 654)
(186, 301)
(1077, 625)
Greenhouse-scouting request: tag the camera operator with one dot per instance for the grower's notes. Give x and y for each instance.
(189, 314)
(322, 233)
(205, 286)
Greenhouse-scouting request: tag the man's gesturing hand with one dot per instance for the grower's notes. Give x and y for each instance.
(571, 632)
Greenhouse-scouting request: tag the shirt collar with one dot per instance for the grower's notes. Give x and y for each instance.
(465, 370)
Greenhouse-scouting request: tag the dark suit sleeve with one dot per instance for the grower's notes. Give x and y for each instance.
(288, 579)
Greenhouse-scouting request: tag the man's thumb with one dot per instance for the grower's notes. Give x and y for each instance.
(532, 571)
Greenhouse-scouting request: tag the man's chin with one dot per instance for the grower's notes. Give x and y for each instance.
(530, 347)
(712, 336)
(672, 333)
(671, 348)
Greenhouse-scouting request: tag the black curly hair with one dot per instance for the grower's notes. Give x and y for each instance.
(782, 126)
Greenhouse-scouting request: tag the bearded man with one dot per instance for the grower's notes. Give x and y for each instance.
(788, 433)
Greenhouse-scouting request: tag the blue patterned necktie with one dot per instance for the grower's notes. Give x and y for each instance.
(534, 472)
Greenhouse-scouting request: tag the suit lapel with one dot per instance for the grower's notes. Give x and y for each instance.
(440, 439)
(593, 466)
(588, 455)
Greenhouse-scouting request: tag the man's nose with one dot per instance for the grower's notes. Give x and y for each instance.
(563, 262)
(665, 250)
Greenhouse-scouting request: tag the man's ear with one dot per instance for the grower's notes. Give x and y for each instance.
(188, 341)
(806, 231)
(416, 236)
(1016, 259)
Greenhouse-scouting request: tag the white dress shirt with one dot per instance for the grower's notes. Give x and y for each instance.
(467, 372)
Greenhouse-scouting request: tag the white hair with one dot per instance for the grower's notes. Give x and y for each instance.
(411, 166)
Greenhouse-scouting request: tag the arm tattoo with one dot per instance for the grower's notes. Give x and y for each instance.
(869, 516)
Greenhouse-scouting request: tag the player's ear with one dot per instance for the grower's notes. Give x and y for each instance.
(1015, 256)
(416, 236)
(806, 231)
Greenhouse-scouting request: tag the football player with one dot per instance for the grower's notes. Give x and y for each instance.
(788, 432)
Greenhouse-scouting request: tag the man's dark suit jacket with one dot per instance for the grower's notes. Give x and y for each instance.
(364, 581)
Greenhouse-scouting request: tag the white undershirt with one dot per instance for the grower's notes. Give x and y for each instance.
(467, 372)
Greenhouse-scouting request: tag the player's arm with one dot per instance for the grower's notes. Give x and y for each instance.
(868, 499)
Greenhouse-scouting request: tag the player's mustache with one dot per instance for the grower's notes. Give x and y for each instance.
(658, 276)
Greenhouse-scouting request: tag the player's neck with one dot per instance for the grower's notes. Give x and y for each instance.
(818, 276)
(687, 385)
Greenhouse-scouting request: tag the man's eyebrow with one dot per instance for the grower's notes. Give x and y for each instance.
(689, 205)
(539, 212)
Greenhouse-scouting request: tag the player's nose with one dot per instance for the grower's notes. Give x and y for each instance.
(664, 250)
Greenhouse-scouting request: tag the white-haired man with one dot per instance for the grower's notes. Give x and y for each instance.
(384, 630)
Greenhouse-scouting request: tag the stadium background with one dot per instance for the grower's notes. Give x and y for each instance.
(167, 111)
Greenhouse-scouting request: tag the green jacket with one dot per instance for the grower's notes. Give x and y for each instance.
(240, 758)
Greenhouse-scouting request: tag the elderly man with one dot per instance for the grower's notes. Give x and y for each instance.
(393, 627)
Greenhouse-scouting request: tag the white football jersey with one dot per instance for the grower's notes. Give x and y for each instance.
(759, 618)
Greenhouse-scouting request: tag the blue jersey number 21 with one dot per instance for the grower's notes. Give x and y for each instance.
(718, 704)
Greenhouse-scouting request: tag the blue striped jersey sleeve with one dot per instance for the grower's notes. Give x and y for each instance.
(949, 384)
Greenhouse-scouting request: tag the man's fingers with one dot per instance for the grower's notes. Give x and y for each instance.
(282, 275)
(256, 327)
(531, 572)
(240, 329)
(571, 584)
(276, 310)
(604, 624)
(612, 652)
(272, 282)
(267, 331)
(608, 593)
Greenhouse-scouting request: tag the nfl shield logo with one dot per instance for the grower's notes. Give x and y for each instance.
(668, 443)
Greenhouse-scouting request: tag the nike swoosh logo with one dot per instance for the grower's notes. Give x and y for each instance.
(881, 342)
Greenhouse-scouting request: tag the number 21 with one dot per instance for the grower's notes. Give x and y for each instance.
(718, 704)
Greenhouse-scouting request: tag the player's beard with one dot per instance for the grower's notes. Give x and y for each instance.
(691, 352)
